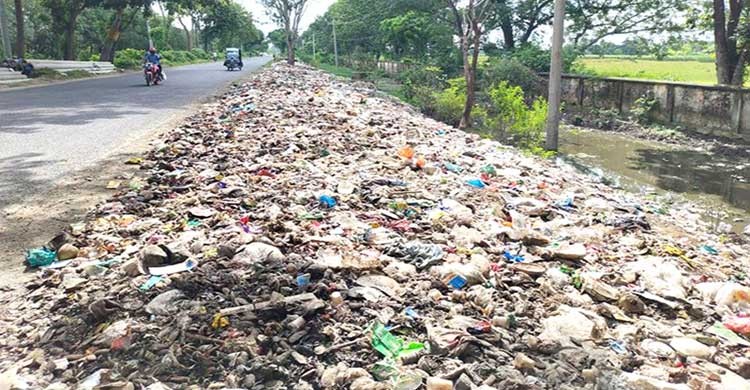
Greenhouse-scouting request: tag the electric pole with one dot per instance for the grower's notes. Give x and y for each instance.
(335, 44)
(4, 30)
(555, 77)
(315, 56)
(148, 32)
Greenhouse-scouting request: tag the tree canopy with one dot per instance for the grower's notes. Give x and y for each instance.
(96, 29)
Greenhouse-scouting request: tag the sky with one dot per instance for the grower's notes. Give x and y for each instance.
(315, 8)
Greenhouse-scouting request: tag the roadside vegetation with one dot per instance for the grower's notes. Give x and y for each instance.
(133, 58)
(183, 31)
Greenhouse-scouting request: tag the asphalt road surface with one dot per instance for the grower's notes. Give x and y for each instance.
(49, 132)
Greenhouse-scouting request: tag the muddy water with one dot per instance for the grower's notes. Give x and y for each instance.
(720, 185)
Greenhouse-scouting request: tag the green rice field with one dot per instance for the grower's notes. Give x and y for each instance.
(699, 72)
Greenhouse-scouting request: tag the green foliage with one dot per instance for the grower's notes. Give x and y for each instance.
(129, 58)
(513, 72)
(642, 108)
(538, 59)
(512, 117)
(449, 103)
(222, 23)
(133, 58)
(419, 85)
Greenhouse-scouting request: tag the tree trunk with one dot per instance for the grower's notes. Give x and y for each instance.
(289, 46)
(468, 76)
(724, 67)
(188, 36)
(20, 34)
(738, 76)
(113, 36)
(4, 32)
(69, 52)
(506, 26)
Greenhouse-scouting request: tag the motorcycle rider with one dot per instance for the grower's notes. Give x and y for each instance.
(152, 57)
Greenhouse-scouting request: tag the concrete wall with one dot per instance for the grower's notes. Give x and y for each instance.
(716, 110)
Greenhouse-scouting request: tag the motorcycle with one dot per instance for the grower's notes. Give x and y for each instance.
(152, 74)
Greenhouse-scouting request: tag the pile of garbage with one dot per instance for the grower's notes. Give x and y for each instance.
(307, 233)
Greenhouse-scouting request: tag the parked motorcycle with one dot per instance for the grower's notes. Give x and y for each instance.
(152, 74)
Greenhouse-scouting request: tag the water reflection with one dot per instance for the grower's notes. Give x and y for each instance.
(698, 175)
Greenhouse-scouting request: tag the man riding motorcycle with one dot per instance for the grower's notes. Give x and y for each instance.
(152, 57)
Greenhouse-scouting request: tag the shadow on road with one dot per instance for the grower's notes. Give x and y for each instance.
(46, 213)
(16, 175)
(34, 120)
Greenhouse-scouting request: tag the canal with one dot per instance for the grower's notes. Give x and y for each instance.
(721, 185)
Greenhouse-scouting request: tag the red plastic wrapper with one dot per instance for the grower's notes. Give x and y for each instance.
(739, 325)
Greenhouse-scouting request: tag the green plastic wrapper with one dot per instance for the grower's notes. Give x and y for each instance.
(40, 257)
(391, 346)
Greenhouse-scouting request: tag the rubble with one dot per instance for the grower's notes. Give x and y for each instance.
(304, 233)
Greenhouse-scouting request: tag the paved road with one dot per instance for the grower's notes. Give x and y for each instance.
(49, 132)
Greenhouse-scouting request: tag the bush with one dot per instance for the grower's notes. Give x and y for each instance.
(133, 58)
(128, 58)
(420, 84)
(514, 73)
(524, 124)
(538, 59)
(449, 105)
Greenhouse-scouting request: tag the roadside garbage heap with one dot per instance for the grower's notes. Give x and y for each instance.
(305, 233)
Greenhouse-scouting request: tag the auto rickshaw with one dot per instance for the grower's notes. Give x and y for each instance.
(233, 59)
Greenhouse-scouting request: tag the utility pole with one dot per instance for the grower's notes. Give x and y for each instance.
(315, 56)
(555, 77)
(148, 32)
(4, 30)
(335, 44)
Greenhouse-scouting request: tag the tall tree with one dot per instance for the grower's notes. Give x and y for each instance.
(287, 14)
(590, 20)
(4, 28)
(120, 21)
(65, 15)
(20, 35)
(470, 22)
(732, 40)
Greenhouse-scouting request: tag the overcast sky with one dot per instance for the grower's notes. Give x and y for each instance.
(315, 8)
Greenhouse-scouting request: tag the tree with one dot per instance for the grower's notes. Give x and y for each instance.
(120, 22)
(65, 15)
(20, 35)
(4, 28)
(470, 24)
(185, 8)
(287, 14)
(227, 24)
(590, 20)
(731, 40)
(278, 39)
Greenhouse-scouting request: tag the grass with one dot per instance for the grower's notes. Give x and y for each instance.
(340, 71)
(384, 84)
(50, 74)
(698, 72)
